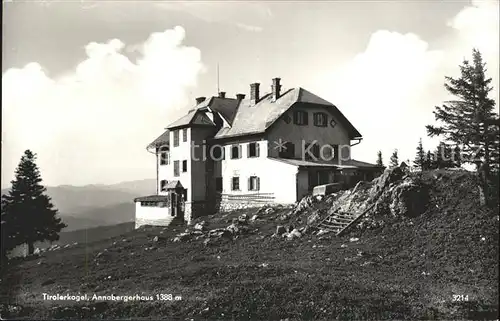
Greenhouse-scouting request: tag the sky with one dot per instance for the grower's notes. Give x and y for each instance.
(88, 85)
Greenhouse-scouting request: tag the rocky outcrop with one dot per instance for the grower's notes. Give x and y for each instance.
(394, 193)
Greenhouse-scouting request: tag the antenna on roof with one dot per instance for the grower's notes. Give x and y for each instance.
(218, 89)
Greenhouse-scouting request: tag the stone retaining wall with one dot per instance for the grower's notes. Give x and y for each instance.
(230, 202)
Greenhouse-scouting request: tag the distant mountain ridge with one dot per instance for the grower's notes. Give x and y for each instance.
(96, 205)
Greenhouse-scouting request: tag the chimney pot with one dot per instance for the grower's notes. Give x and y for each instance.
(240, 96)
(254, 93)
(200, 100)
(222, 94)
(276, 88)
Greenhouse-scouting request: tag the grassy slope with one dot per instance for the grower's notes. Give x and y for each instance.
(411, 268)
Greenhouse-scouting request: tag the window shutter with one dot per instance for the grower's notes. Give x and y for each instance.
(305, 118)
(239, 151)
(248, 149)
(250, 183)
(257, 149)
(258, 183)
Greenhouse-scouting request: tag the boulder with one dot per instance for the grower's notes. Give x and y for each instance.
(269, 210)
(294, 234)
(243, 219)
(182, 237)
(304, 203)
(321, 232)
(254, 218)
(233, 228)
(159, 239)
(200, 226)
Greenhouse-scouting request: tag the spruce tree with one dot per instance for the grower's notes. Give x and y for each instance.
(429, 161)
(379, 159)
(469, 121)
(28, 215)
(394, 161)
(419, 161)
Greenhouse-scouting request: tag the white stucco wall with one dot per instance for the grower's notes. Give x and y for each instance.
(275, 177)
(180, 153)
(296, 134)
(149, 215)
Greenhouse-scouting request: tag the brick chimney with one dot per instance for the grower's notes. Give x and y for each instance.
(222, 94)
(240, 96)
(200, 100)
(276, 88)
(254, 93)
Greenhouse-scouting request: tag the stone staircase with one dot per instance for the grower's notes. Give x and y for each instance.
(338, 222)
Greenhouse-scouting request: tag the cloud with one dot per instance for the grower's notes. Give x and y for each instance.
(249, 27)
(389, 91)
(243, 15)
(92, 124)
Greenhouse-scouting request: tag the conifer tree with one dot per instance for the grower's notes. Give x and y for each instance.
(429, 161)
(419, 161)
(394, 161)
(470, 121)
(379, 159)
(28, 215)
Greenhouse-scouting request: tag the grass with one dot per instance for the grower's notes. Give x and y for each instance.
(410, 268)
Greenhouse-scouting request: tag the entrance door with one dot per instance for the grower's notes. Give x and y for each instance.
(181, 203)
(173, 205)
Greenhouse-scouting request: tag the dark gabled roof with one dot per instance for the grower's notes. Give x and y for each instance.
(173, 184)
(259, 117)
(152, 198)
(163, 139)
(226, 107)
(184, 120)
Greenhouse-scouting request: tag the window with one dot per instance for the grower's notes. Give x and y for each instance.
(311, 152)
(235, 184)
(176, 168)
(335, 151)
(176, 138)
(217, 153)
(300, 117)
(288, 151)
(184, 166)
(149, 204)
(164, 156)
(218, 184)
(253, 150)
(253, 183)
(163, 185)
(320, 119)
(185, 135)
(235, 151)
